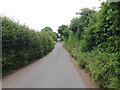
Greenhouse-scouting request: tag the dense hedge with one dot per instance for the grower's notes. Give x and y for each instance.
(21, 45)
(103, 66)
(94, 42)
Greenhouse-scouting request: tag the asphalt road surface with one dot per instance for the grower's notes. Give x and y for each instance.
(55, 70)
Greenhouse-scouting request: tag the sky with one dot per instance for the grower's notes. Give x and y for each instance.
(38, 14)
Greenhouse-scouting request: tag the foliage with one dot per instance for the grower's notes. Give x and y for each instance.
(78, 24)
(50, 32)
(63, 30)
(103, 30)
(21, 45)
(94, 42)
(47, 29)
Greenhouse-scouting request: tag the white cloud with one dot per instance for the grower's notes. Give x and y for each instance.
(38, 14)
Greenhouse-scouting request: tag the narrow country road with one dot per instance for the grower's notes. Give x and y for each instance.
(55, 70)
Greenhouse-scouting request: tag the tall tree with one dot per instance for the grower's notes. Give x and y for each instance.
(78, 24)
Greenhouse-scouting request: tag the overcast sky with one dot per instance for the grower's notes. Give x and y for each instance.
(38, 14)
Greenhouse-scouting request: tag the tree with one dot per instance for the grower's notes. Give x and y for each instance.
(47, 29)
(63, 31)
(78, 24)
(50, 32)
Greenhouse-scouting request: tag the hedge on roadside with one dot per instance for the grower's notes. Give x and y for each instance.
(21, 45)
(94, 42)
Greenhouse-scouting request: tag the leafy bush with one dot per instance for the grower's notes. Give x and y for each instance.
(103, 66)
(21, 45)
(94, 42)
